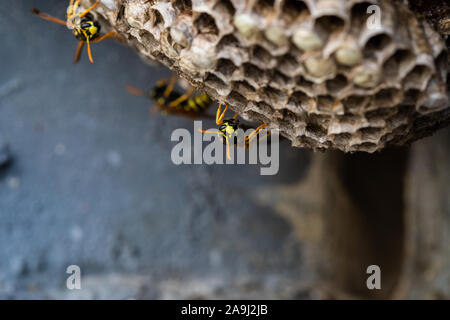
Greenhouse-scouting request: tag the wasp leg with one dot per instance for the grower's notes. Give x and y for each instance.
(89, 9)
(208, 131)
(161, 83)
(169, 89)
(228, 147)
(247, 143)
(252, 137)
(220, 134)
(135, 91)
(78, 52)
(89, 50)
(111, 34)
(75, 7)
(70, 9)
(182, 98)
(236, 115)
(219, 115)
(48, 17)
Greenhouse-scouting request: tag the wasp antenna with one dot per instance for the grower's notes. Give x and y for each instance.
(89, 9)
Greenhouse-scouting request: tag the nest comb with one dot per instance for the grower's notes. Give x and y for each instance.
(313, 68)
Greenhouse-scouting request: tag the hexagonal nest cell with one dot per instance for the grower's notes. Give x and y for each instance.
(374, 73)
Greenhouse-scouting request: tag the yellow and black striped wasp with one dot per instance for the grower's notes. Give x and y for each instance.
(82, 24)
(227, 129)
(170, 101)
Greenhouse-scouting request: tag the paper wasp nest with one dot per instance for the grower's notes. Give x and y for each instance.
(325, 72)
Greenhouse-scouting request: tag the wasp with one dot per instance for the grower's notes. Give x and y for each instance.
(83, 26)
(169, 101)
(227, 129)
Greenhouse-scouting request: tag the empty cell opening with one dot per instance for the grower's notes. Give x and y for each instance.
(307, 142)
(299, 98)
(417, 76)
(359, 15)
(370, 133)
(342, 138)
(253, 72)
(398, 118)
(264, 108)
(158, 17)
(337, 84)
(274, 95)
(244, 87)
(261, 54)
(377, 43)
(255, 116)
(289, 61)
(236, 98)
(401, 131)
(367, 146)
(405, 110)
(411, 96)
(289, 115)
(279, 79)
(182, 6)
(442, 63)
(174, 45)
(264, 7)
(299, 101)
(351, 120)
(294, 9)
(227, 5)
(385, 97)
(226, 67)
(288, 64)
(206, 24)
(328, 24)
(325, 103)
(355, 103)
(302, 82)
(379, 114)
(147, 37)
(423, 109)
(393, 65)
(228, 41)
(316, 130)
(213, 81)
